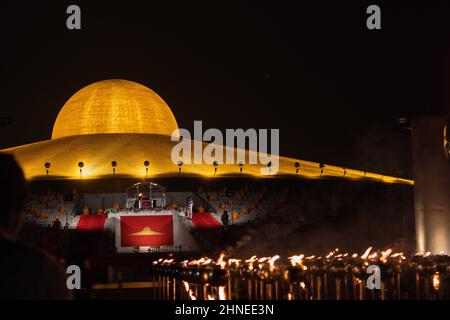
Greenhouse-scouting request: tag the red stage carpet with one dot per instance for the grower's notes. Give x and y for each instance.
(205, 221)
(91, 223)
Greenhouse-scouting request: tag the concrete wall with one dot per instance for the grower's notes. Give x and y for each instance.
(432, 186)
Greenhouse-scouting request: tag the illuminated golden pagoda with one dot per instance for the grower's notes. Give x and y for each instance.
(126, 122)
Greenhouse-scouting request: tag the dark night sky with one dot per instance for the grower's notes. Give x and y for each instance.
(314, 71)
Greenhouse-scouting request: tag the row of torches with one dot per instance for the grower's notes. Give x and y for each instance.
(337, 276)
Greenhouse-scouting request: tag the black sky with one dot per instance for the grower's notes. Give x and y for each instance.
(312, 70)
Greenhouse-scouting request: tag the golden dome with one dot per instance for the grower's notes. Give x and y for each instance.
(114, 106)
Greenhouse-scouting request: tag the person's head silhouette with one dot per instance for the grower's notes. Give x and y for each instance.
(12, 195)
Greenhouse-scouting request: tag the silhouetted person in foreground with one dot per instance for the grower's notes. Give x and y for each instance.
(25, 273)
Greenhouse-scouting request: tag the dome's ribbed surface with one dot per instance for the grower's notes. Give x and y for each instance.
(114, 106)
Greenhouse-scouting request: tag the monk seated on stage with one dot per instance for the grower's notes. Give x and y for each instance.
(100, 211)
(117, 206)
(42, 215)
(245, 211)
(235, 216)
(201, 209)
(62, 209)
(86, 211)
(173, 205)
(33, 210)
(212, 196)
(222, 206)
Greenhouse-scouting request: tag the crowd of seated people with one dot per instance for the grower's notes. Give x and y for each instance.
(88, 212)
(241, 204)
(289, 214)
(46, 207)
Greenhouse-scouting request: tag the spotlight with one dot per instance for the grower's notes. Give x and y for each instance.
(180, 164)
(114, 165)
(47, 167)
(215, 164)
(146, 164)
(297, 166)
(241, 165)
(269, 165)
(81, 165)
(322, 168)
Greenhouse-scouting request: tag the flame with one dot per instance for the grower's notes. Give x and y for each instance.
(272, 262)
(167, 261)
(222, 293)
(366, 253)
(303, 285)
(252, 259)
(436, 281)
(289, 296)
(220, 262)
(189, 291)
(385, 255)
(235, 262)
(296, 260)
(373, 255)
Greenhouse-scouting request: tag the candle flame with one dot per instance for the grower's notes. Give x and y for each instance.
(436, 281)
(272, 262)
(222, 295)
(189, 291)
(220, 262)
(366, 253)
